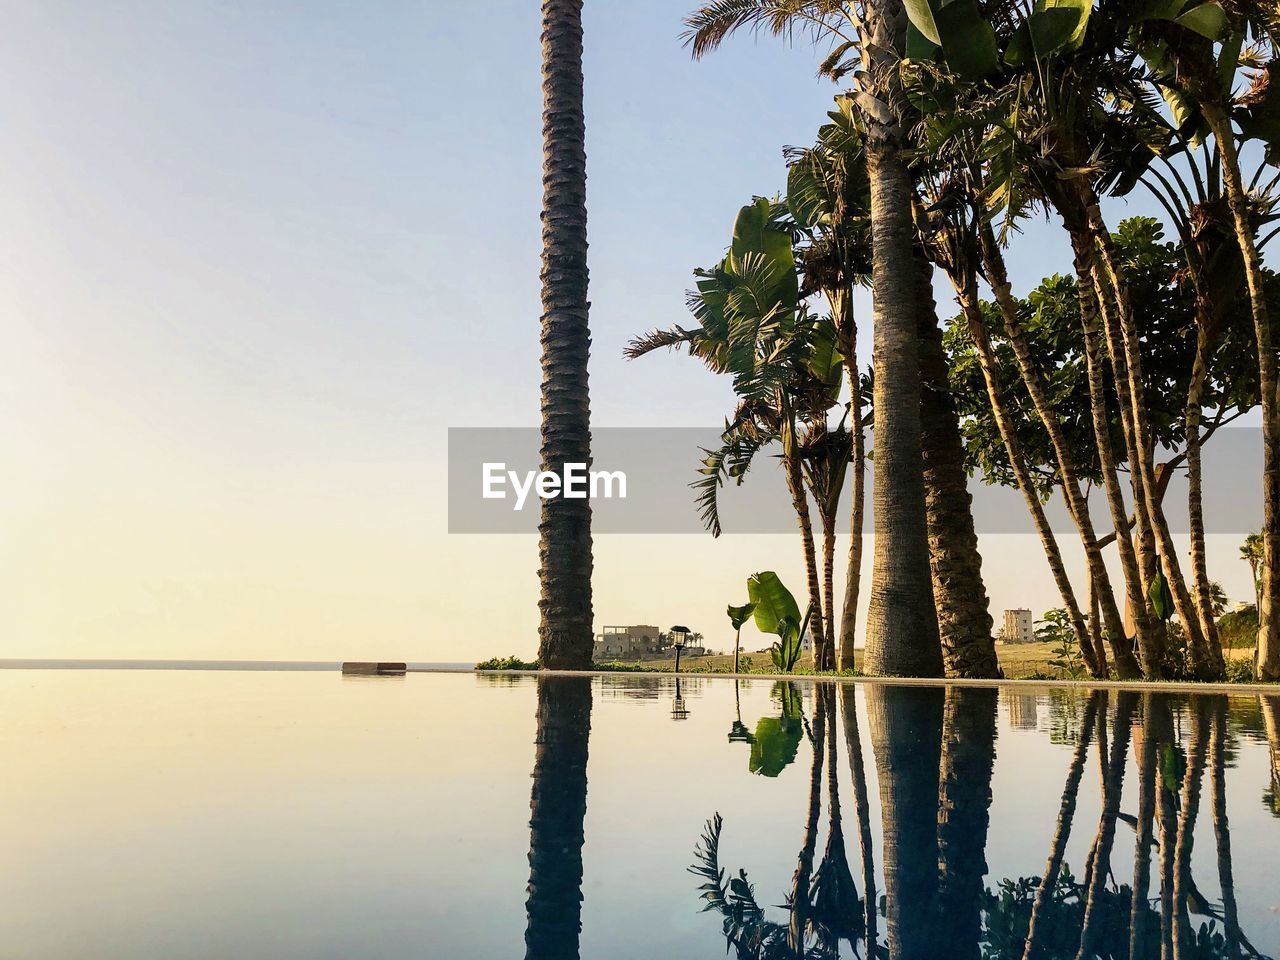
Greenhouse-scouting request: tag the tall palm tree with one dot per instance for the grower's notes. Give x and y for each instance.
(564, 531)
(906, 738)
(902, 628)
(557, 808)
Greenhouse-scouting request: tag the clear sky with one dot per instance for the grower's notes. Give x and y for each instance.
(256, 258)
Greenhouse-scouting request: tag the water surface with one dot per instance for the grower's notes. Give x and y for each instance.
(291, 814)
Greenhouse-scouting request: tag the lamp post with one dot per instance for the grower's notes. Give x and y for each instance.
(679, 637)
(678, 710)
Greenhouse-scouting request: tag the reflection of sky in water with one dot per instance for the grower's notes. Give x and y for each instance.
(283, 815)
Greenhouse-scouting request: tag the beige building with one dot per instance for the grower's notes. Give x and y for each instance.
(626, 643)
(1017, 627)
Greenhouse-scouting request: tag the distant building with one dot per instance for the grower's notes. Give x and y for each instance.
(626, 643)
(1023, 711)
(1017, 627)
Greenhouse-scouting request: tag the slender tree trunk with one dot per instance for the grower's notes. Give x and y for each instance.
(1122, 657)
(906, 736)
(1268, 657)
(1221, 826)
(1148, 750)
(835, 893)
(828, 589)
(967, 294)
(1271, 722)
(800, 905)
(1062, 832)
(564, 531)
(1189, 809)
(1166, 823)
(1113, 784)
(902, 628)
(1202, 657)
(1135, 589)
(557, 809)
(1195, 496)
(800, 502)
(964, 620)
(964, 802)
(857, 771)
(842, 308)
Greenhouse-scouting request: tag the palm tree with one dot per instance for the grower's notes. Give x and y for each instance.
(906, 725)
(557, 808)
(902, 628)
(564, 531)
(1252, 553)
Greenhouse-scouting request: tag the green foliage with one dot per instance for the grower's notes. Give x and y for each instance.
(1055, 627)
(507, 663)
(778, 738)
(739, 615)
(777, 612)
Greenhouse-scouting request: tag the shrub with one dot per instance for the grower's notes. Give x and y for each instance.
(507, 663)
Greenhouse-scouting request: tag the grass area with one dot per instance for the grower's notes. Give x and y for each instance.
(1020, 661)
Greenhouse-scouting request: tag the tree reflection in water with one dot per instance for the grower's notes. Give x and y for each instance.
(557, 807)
(934, 752)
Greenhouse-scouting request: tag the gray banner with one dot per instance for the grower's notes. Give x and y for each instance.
(490, 467)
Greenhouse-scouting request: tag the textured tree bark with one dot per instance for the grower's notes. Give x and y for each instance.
(902, 628)
(1188, 811)
(557, 808)
(1135, 588)
(1147, 749)
(964, 802)
(967, 294)
(1062, 832)
(1207, 663)
(846, 327)
(1126, 665)
(800, 503)
(828, 591)
(564, 531)
(1268, 654)
(1195, 492)
(800, 881)
(1221, 826)
(857, 771)
(1112, 785)
(906, 727)
(960, 596)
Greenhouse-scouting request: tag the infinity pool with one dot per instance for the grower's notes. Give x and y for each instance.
(302, 814)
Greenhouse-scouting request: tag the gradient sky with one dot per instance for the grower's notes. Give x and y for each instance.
(257, 258)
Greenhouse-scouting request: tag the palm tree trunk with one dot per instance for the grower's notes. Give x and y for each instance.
(1268, 656)
(857, 771)
(1189, 809)
(1148, 762)
(1195, 495)
(804, 862)
(557, 809)
(906, 737)
(1126, 664)
(1135, 588)
(1271, 722)
(964, 620)
(964, 801)
(800, 502)
(902, 628)
(1203, 659)
(846, 326)
(967, 295)
(564, 531)
(828, 588)
(1062, 832)
(1112, 786)
(1221, 827)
